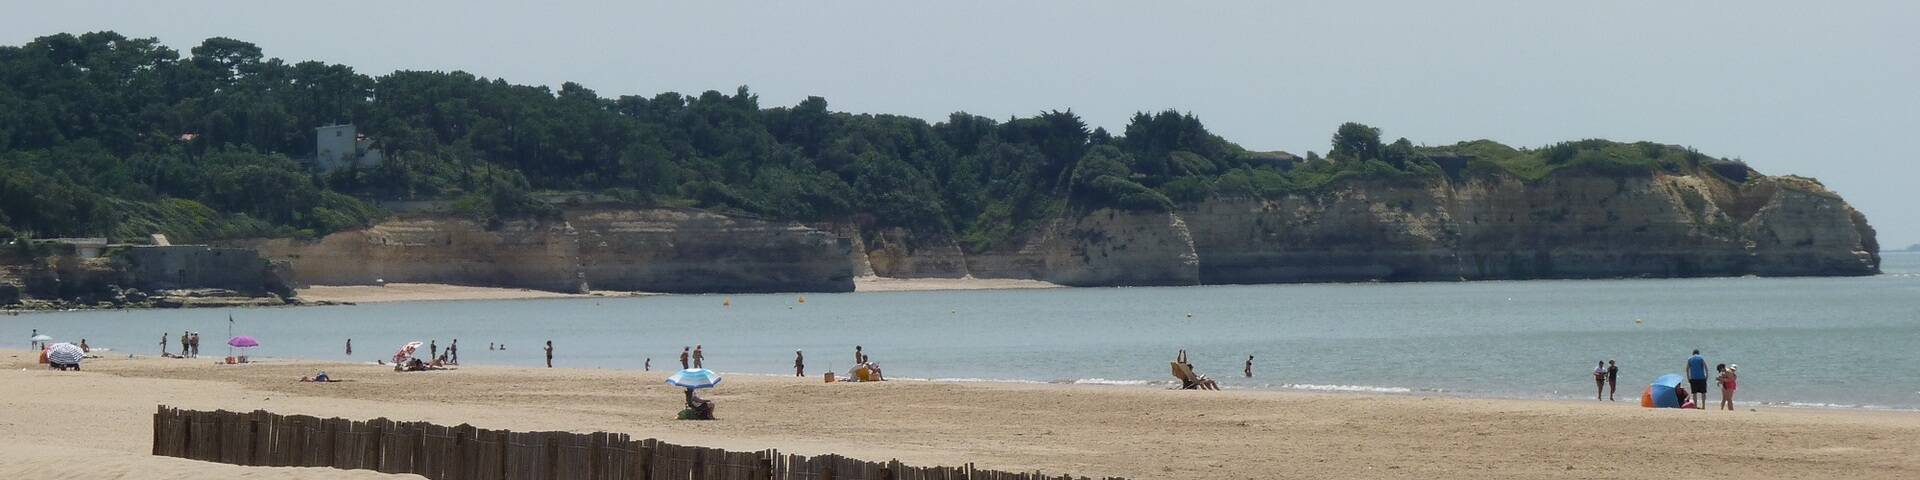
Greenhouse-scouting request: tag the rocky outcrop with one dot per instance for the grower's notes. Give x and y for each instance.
(1456, 227)
(659, 250)
(690, 251)
(541, 255)
(1110, 247)
(1571, 226)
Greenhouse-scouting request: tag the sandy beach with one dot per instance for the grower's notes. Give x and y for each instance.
(427, 292)
(97, 423)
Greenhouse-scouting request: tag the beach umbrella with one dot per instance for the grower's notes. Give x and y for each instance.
(243, 341)
(694, 378)
(405, 352)
(1660, 394)
(65, 353)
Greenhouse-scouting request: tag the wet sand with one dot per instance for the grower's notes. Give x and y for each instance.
(98, 424)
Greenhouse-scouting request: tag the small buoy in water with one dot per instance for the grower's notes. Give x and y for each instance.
(727, 303)
(1638, 321)
(1189, 315)
(803, 299)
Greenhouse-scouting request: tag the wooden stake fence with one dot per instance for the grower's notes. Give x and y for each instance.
(464, 452)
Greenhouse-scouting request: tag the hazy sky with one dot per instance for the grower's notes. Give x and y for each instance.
(1807, 88)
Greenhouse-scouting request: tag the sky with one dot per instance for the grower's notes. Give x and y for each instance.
(1829, 90)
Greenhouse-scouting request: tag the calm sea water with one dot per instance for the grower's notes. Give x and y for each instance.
(1844, 342)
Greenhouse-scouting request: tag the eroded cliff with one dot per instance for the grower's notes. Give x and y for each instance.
(1443, 228)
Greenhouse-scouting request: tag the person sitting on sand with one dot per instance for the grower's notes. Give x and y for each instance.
(697, 408)
(1686, 400)
(319, 378)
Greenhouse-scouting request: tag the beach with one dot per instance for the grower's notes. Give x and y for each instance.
(97, 423)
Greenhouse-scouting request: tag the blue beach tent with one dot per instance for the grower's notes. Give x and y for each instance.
(1661, 393)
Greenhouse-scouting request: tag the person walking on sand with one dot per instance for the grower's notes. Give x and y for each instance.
(649, 365)
(1249, 370)
(799, 364)
(453, 351)
(549, 353)
(1729, 380)
(1613, 379)
(683, 357)
(1697, 377)
(698, 357)
(1600, 381)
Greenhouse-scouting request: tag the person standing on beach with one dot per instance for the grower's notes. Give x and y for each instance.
(196, 344)
(163, 344)
(1729, 380)
(799, 364)
(433, 348)
(1249, 370)
(453, 352)
(549, 353)
(35, 344)
(649, 365)
(1613, 379)
(1600, 381)
(185, 350)
(683, 357)
(1697, 377)
(698, 357)
(859, 357)
(349, 347)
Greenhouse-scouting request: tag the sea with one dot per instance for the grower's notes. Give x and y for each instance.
(1838, 342)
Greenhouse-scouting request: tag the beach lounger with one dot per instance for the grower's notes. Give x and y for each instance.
(1185, 374)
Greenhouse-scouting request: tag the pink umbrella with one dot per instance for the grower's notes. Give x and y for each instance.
(243, 341)
(405, 352)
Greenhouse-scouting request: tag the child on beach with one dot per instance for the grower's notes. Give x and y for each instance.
(1729, 380)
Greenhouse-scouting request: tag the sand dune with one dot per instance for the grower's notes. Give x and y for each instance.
(97, 423)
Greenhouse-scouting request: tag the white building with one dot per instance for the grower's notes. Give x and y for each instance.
(340, 146)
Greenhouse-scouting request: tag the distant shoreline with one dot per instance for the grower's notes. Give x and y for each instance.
(438, 292)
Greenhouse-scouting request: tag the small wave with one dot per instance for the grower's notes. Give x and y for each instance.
(1824, 405)
(975, 380)
(1346, 388)
(1103, 381)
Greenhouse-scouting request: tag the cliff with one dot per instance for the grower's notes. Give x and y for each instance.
(1482, 227)
(659, 250)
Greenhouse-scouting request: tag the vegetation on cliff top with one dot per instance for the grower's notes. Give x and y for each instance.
(104, 134)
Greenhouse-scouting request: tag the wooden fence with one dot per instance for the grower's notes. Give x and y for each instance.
(465, 452)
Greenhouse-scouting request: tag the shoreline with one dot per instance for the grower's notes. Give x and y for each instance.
(1084, 430)
(439, 292)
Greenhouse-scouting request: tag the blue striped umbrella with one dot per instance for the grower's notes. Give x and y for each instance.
(694, 378)
(65, 353)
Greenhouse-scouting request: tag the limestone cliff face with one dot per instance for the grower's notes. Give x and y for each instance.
(1109, 247)
(690, 251)
(437, 249)
(1479, 227)
(897, 253)
(1572, 226)
(661, 250)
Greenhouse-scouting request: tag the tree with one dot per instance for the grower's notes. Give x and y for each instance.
(1355, 142)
